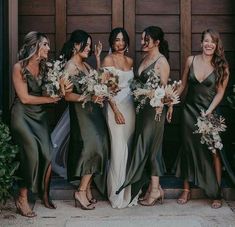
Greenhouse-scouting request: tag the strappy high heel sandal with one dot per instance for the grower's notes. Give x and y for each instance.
(24, 211)
(79, 203)
(184, 198)
(156, 195)
(90, 198)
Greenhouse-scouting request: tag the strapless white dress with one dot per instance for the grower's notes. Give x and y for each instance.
(121, 138)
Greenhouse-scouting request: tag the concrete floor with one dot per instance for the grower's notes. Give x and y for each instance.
(196, 213)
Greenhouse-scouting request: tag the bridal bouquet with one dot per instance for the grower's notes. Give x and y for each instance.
(156, 95)
(210, 127)
(103, 82)
(107, 82)
(56, 78)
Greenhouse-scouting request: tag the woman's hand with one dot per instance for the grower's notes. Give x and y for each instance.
(98, 99)
(206, 113)
(169, 114)
(68, 86)
(119, 118)
(98, 49)
(53, 99)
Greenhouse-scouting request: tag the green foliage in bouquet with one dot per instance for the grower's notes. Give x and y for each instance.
(8, 165)
(231, 98)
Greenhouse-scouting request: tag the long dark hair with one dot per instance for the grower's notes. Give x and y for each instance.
(218, 61)
(113, 36)
(77, 37)
(156, 33)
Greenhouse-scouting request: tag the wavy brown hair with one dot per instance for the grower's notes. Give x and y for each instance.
(218, 61)
(31, 45)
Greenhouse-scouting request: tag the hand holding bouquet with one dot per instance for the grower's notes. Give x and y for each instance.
(157, 95)
(210, 126)
(56, 82)
(103, 84)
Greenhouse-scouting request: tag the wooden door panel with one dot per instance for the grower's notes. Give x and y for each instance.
(223, 24)
(149, 7)
(44, 24)
(89, 7)
(91, 24)
(36, 7)
(215, 7)
(169, 23)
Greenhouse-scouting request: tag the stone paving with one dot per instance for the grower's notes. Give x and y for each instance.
(196, 213)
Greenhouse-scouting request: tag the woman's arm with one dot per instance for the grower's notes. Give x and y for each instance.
(184, 77)
(218, 97)
(163, 68)
(21, 89)
(119, 118)
(98, 50)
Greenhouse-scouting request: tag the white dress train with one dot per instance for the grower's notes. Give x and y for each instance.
(121, 138)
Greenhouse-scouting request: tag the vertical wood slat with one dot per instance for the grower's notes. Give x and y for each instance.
(129, 24)
(60, 36)
(13, 42)
(186, 31)
(117, 13)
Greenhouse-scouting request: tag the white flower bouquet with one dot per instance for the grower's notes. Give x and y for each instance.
(103, 82)
(210, 127)
(156, 95)
(56, 78)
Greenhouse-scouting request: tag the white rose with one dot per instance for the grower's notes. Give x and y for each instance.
(156, 102)
(159, 92)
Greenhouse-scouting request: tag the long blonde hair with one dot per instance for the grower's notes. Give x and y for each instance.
(30, 47)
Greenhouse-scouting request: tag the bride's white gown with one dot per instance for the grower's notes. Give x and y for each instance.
(121, 137)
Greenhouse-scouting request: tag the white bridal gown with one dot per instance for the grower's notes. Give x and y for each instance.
(120, 137)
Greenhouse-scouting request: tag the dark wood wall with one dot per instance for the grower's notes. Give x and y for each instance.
(181, 20)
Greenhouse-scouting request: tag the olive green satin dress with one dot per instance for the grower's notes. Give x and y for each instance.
(195, 161)
(89, 142)
(146, 157)
(30, 130)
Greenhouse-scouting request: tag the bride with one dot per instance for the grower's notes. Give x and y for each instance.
(120, 118)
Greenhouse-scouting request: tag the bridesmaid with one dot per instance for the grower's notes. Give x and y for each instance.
(120, 117)
(29, 123)
(207, 76)
(89, 141)
(146, 158)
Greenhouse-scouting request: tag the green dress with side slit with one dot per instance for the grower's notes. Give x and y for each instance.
(146, 154)
(30, 131)
(195, 160)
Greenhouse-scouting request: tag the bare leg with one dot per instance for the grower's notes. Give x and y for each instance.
(46, 200)
(22, 204)
(89, 195)
(81, 195)
(185, 195)
(217, 203)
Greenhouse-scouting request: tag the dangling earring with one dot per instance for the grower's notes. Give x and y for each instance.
(110, 50)
(75, 51)
(127, 49)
